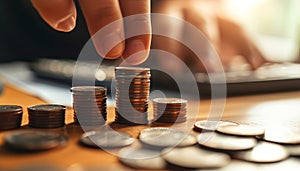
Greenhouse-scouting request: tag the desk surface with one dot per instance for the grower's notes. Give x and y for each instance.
(264, 109)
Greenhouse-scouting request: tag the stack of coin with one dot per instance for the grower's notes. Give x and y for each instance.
(169, 110)
(132, 94)
(46, 116)
(11, 116)
(89, 103)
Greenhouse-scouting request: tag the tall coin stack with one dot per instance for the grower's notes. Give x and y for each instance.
(169, 110)
(11, 117)
(89, 103)
(132, 94)
(46, 116)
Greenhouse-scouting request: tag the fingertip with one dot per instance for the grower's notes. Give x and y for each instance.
(66, 25)
(136, 52)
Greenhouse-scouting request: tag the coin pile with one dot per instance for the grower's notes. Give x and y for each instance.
(46, 116)
(89, 103)
(11, 117)
(169, 110)
(132, 94)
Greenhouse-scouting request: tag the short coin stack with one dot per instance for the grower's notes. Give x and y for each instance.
(11, 117)
(132, 94)
(169, 110)
(46, 116)
(89, 103)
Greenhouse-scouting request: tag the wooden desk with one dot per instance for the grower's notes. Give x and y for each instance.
(266, 109)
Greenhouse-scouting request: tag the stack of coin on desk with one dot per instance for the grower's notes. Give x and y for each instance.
(89, 103)
(11, 116)
(169, 110)
(132, 94)
(46, 116)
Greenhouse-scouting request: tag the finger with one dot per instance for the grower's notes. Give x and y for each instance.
(138, 25)
(59, 14)
(102, 14)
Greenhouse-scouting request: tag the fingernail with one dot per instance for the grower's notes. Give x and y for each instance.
(135, 52)
(66, 25)
(112, 45)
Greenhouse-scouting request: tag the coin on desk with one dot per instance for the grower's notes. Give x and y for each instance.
(211, 125)
(263, 152)
(166, 137)
(11, 117)
(247, 130)
(34, 140)
(225, 142)
(282, 135)
(141, 158)
(106, 139)
(195, 157)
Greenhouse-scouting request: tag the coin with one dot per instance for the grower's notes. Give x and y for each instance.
(242, 130)
(263, 152)
(294, 150)
(47, 108)
(282, 135)
(11, 117)
(170, 100)
(194, 157)
(166, 137)
(84, 89)
(34, 140)
(140, 158)
(225, 142)
(211, 125)
(106, 139)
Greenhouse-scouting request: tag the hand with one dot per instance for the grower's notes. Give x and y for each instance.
(61, 15)
(228, 38)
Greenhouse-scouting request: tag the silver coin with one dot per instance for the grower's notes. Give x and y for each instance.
(88, 89)
(294, 150)
(263, 152)
(211, 125)
(34, 140)
(282, 135)
(47, 108)
(194, 157)
(142, 158)
(225, 142)
(242, 130)
(166, 137)
(106, 139)
(170, 100)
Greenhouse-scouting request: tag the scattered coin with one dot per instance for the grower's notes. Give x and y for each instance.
(89, 103)
(166, 137)
(34, 140)
(11, 117)
(242, 130)
(106, 139)
(263, 152)
(225, 142)
(282, 135)
(194, 157)
(46, 115)
(169, 110)
(132, 94)
(294, 150)
(211, 125)
(140, 158)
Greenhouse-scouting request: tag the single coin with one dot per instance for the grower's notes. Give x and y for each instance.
(34, 140)
(242, 130)
(194, 157)
(166, 137)
(211, 125)
(140, 158)
(47, 107)
(282, 135)
(225, 142)
(88, 89)
(263, 152)
(169, 100)
(10, 109)
(106, 139)
(294, 150)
